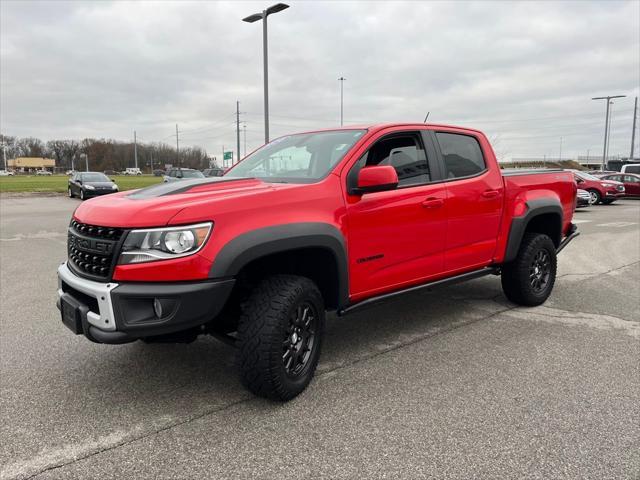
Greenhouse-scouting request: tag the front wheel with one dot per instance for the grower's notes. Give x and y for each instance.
(280, 335)
(82, 195)
(69, 192)
(529, 279)
(595, 197)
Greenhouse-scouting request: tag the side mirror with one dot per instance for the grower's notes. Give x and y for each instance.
(80, 182)
(377, 178)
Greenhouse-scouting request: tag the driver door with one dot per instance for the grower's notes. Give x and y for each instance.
(396, 237)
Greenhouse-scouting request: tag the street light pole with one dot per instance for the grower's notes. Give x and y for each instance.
(606, 127)
(278, 7)
(341, 79)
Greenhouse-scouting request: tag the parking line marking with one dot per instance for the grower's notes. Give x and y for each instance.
(616, 224)
(582, 221)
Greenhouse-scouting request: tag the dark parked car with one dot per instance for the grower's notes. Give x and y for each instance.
(182, 173)
(158, 173)
(90, 184)
(110, 172)
(213, 172)
(631, 182)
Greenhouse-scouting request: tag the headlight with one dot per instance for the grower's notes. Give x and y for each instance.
(605, 184)
(89, 187)
(114, 187)
(153, 244)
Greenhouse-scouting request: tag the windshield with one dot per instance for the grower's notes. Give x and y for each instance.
(192, 174)
(95, 177)
(301, 158)
(587, 176)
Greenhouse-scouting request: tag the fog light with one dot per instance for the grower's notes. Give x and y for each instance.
(157, 308)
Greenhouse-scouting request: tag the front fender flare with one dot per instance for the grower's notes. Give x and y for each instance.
(261, 242)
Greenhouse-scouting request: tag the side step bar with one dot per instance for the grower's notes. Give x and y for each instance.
(425, 286)
(573, 233)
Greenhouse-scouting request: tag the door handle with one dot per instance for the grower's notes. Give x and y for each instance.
(490, 193)
(433, 202)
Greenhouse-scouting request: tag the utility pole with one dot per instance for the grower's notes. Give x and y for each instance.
(151, 162)
(4, 151)
(560, 159)
(135, 149)
(633, 130)
(178, 147)
(244, 127)
(544, 161)
(238, 128)
(341, 79)
(224, 161)
(609, 127)
(606, 127)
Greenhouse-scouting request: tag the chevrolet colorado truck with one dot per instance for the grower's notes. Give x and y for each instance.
(333, 220)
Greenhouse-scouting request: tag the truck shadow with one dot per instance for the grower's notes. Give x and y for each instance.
(178, 378)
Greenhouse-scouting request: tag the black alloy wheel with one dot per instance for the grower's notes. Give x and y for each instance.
(540, 271)
(300, 338)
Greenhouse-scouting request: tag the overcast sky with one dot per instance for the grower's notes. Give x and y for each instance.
(522, 72)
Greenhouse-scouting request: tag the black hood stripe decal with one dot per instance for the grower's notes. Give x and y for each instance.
(179, 186)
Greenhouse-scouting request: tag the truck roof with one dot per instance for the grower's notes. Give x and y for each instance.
(380, 126)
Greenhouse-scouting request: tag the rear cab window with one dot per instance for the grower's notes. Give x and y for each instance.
(461, 155)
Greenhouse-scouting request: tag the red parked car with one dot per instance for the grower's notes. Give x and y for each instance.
(327, 220)
(631, 182)
(601, 190)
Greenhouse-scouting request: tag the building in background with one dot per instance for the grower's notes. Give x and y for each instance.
(31, 164)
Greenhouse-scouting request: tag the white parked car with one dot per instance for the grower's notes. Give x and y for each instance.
(6, 173)
(43, 172)
(630, 168)
(132, 171)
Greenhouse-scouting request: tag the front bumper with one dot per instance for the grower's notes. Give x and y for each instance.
(120, 313)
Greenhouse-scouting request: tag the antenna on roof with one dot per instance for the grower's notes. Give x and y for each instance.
(425, 118)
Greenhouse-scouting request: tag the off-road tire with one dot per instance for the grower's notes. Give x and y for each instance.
(519, 277)
(595, 196)
(266, 317)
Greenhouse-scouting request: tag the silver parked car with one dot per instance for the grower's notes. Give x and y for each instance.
(583, 198)
(182, 174)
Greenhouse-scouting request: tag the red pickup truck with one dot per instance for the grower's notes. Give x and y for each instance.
(327, 220)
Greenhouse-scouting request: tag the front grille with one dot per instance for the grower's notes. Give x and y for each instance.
(93, 250)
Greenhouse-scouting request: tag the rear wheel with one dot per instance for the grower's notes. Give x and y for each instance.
(595, 197)
(280, 335)
(529, 279)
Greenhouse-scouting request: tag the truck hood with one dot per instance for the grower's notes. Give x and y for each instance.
(155, 206)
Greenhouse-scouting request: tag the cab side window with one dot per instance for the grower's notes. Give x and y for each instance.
(403, 152)
(462, 155)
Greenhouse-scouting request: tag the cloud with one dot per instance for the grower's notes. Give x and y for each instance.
(523, 72)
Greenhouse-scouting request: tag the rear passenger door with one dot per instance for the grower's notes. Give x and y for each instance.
(474, 199)
(631, 184)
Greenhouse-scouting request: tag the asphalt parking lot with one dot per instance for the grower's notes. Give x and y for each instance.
(454, 383)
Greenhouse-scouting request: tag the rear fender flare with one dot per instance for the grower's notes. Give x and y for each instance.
(535, 208)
